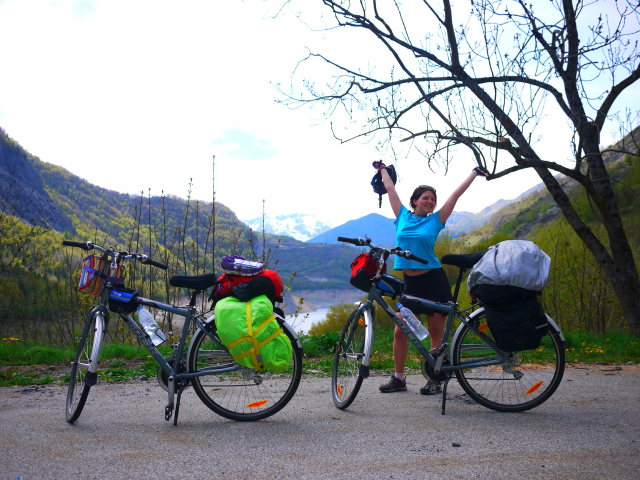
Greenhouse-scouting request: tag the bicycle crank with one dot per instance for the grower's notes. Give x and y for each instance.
(429, 374)
(163, 377)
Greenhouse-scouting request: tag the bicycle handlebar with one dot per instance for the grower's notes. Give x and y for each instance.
(136, 256)
(355, 241)
(408, 255)
(82, 245)
(148, 261)
(394, 251)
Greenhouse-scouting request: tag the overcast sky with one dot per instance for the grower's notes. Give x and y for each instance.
(135, 95)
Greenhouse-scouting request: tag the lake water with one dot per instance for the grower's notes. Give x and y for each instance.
(302, 324)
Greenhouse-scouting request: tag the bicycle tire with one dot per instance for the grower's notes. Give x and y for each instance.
(233, 395)
(516, 385)
(345, 375)
(85, 360)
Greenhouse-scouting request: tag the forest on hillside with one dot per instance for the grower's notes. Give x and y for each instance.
(38, 277)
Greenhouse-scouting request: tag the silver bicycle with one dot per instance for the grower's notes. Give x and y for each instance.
(202, 361)
(499, 380)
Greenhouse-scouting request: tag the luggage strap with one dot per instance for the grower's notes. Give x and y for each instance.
(251, 338)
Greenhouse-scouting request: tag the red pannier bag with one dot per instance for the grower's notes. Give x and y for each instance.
(244, 288)
(363, 269)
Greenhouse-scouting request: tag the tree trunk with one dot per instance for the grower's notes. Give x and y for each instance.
(619, 266)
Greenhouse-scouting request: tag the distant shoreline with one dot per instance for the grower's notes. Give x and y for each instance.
(316, 299)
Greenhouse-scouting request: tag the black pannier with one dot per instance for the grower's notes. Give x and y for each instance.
(514, 315)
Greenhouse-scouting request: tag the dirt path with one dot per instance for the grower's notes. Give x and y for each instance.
(589, 429)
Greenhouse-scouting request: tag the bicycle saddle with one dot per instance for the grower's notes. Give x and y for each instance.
(197, 282)
(462, 261)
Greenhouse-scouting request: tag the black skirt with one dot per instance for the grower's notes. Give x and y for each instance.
(432, 285)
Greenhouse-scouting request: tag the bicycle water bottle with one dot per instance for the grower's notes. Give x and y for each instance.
(150, 326)
(413, 323)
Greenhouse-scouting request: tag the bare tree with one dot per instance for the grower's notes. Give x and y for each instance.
(483, 76)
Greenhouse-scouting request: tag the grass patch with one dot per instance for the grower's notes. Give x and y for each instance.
(615, 347)
(14, 352)
(122, 362)
(13, 376)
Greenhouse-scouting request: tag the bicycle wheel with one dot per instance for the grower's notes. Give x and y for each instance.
(244, 395)
(527, 379)
(85, 362)
(345, 376)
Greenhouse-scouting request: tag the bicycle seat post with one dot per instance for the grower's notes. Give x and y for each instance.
(458, 282)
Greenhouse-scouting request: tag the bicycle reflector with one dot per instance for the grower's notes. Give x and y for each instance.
(534, 388)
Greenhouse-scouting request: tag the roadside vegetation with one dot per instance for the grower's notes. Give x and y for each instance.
(25, 363)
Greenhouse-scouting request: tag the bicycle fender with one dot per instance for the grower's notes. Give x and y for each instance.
(555, 326)
(470, 317)
(285, 326)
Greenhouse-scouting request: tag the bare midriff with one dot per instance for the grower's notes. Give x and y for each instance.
(412, 272)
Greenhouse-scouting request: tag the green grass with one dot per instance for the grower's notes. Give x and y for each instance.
(24, 363)
(615, 347)
(16, 357)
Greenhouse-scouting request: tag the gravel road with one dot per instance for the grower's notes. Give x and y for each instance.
(590, 429)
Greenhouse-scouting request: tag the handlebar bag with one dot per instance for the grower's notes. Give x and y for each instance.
(363, 269)
(123, 300)
(251, 333)
(96, 271)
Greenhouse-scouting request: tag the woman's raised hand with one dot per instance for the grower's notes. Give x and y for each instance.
(378, 164)
(480, 172)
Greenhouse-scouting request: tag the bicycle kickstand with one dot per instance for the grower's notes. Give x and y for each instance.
(444, 390)
(183, 384)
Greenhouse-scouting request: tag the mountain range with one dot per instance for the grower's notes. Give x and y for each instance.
(381, 229)
(300, 226)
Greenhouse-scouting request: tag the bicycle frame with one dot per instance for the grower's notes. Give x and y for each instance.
(470, 349)
(175, 377)
(450, 309)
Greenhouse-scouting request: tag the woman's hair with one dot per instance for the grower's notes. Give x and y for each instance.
(417, 193)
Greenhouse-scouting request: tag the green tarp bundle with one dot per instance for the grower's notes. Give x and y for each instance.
(252, 334)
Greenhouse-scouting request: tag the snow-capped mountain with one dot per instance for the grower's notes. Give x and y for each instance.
(297, 225)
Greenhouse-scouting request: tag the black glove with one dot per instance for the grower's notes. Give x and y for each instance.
(378, 164)
(480, 172)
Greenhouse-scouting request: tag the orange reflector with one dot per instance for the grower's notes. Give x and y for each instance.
(361, 322)
(484, 326)
(259, 403)
(534, 388)
(339, 389)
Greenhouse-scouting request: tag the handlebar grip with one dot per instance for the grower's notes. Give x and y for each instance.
(354, 241)
(418, 259)
(82, 245)
(156, 264)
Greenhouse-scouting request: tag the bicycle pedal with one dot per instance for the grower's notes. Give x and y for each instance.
(168, 412)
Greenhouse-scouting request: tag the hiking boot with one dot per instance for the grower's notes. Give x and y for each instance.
(431, 388)
(394, 385)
